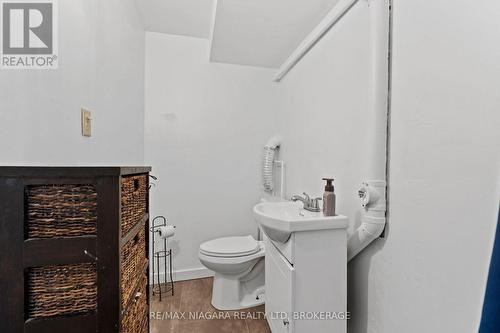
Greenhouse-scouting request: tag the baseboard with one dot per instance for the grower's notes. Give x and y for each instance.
(186, 274)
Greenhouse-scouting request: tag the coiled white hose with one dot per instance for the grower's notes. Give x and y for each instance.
(270, 150)
(267, 168)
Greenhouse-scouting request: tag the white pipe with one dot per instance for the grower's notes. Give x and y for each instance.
(335, 14)
(379, 40)
(281, 166)
(373, 220)
(363, 236)
(373, 192)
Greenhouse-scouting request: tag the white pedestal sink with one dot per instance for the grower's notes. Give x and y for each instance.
(306, 268)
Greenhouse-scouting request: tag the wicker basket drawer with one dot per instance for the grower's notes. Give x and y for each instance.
(61, 210)
(62, 290)
(136, 315)
(133, 260)
(134, 198)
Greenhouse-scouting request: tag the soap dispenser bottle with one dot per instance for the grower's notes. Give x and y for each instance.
(329, 198)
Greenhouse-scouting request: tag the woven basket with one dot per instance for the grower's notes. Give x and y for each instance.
(62, 290)
(133, 260)
(134, 191)
(61, 210)
(135, 319)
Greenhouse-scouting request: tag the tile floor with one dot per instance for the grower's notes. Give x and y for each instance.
(194, 297)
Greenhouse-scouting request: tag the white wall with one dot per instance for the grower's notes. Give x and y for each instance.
(429, 273)
(101, 52)
(206, 125)
(324, 115)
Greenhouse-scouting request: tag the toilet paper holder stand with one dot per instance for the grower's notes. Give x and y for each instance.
(158, 255)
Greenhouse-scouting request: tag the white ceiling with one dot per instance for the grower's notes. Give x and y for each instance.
(177, 17)
(263, 32)
(247, 32)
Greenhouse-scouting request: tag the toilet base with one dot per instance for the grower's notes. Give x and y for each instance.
(234, 294)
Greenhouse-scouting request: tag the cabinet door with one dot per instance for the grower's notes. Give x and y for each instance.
(279, 291)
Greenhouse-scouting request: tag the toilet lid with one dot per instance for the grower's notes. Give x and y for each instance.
(230, 247)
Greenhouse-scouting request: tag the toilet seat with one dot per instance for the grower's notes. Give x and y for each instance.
(235, 260)
(229, 247)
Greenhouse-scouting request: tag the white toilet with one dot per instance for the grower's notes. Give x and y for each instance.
(238, 263)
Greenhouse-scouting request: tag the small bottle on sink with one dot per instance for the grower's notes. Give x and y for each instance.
(329, 198)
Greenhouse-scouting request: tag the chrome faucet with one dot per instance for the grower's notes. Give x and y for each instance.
(311, 205)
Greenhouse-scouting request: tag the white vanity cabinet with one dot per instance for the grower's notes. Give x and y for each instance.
(306, 281)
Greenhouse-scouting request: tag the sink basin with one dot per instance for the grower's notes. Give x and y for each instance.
(280, 219)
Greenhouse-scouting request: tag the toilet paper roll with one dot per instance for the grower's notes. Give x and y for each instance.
(166, 231)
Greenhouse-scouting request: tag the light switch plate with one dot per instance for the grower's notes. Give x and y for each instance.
(86, 123)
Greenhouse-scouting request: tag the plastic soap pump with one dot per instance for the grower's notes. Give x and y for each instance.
(329, 198)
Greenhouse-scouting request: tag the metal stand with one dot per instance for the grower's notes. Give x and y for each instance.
(158, 255)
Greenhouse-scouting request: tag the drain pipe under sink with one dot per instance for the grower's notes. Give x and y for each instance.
(373, 191)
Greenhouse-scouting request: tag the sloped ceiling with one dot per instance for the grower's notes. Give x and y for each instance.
(177, 17)
(246, 32)
(263, 32)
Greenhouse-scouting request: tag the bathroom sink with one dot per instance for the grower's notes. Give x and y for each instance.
(280, 219)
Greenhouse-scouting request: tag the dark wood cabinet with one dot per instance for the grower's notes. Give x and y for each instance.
(74, 249)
